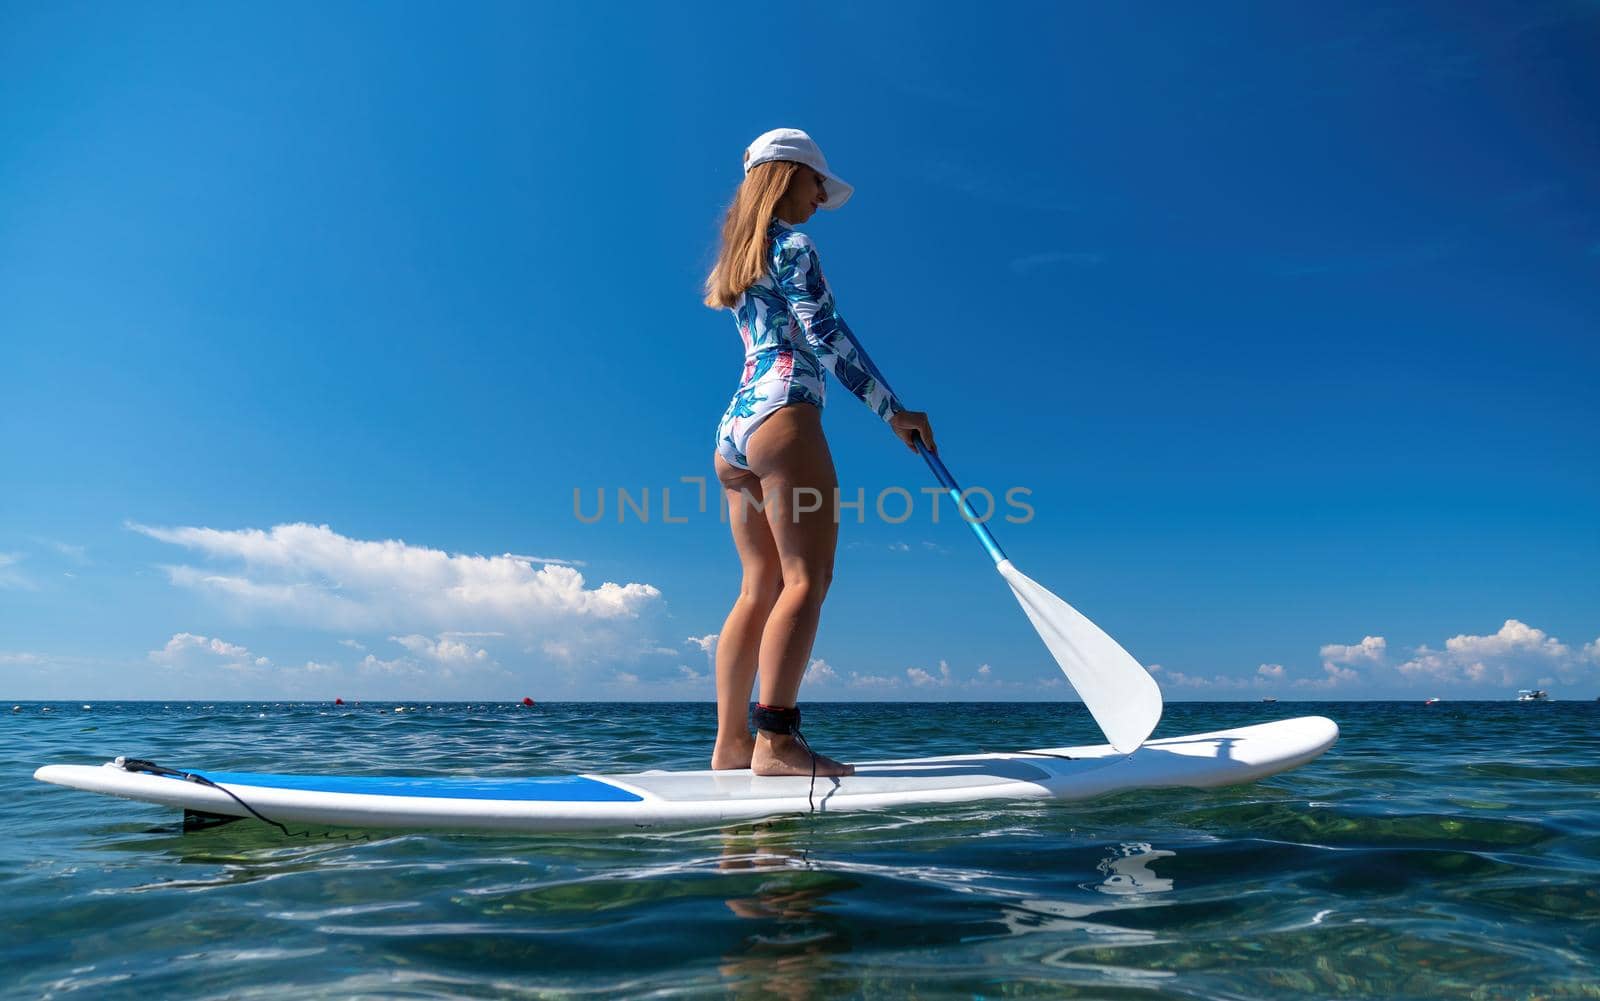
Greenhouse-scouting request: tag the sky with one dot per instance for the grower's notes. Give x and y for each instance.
(325, 329)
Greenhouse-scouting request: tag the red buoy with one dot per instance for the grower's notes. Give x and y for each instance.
(527, 701)
(338, 702)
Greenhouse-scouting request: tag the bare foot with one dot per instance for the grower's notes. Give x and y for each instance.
(733, 753)
(781, 754)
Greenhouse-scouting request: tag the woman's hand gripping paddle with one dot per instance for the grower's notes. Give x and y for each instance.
(1119, 693)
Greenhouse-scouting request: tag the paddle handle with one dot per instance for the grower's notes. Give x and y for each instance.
(954, 490)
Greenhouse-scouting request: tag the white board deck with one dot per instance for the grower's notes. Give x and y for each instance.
(658, 798)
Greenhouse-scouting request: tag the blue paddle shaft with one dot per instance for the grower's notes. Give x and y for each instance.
(954, 490)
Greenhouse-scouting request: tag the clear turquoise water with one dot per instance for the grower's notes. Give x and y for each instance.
(1449, 851)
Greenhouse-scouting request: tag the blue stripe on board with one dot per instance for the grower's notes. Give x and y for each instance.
(551, 789)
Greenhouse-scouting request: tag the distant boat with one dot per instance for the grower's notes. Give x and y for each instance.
(1533, 695)
(1268, 698)
(1433, 701)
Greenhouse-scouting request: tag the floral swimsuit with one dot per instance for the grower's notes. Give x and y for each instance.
(788, 323)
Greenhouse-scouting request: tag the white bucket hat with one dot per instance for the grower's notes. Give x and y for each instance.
(792, 144)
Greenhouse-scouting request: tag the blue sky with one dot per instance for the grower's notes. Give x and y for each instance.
(313, 319)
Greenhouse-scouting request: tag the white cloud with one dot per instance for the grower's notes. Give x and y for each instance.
(77, 554)
(189, 650)
(309, 575)
(1221, 682)
(547, 559)
(20, 658)
(872, 681)
(819, 672)
(442, 650)
(1341, 661)
(430, 665)
(400, 666)
(706, 643)
(1265, 675)
(1517, 653)
(302, 559)
(1333, 677)
(1370, 650)
(352, 644)
(72, 552)
(10, 576)
(1513, 638)
(189, 641)
(691, 675)
(925, 679)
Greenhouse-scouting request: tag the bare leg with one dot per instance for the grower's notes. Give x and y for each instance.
(790, 455)
(740, 638)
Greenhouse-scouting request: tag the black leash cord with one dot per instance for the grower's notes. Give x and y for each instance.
(811, 793)
(150, 767)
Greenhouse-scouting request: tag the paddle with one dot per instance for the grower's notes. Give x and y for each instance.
(1120, 694)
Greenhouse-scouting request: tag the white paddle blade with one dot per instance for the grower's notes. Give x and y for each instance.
(1120, 694)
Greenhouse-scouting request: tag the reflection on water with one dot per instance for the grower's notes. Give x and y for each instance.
(797, 938)
(787, 956)
(1127, 870)
(1130, 883)
(1127, 878)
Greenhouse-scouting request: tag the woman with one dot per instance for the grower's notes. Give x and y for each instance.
(772, 459)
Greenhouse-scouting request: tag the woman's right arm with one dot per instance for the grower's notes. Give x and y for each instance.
(798, 273)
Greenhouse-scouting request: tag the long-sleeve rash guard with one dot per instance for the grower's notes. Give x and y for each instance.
(791, 331)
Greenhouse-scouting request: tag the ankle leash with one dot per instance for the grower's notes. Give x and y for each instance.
(786, 720)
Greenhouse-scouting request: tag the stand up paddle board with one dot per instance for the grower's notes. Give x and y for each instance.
(660, 798)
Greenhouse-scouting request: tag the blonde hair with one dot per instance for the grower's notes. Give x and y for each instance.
(743, 258)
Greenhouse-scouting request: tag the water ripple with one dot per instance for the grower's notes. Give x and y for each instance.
(1430, 854)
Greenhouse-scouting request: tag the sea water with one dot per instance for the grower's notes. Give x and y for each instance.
(1436, 851)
